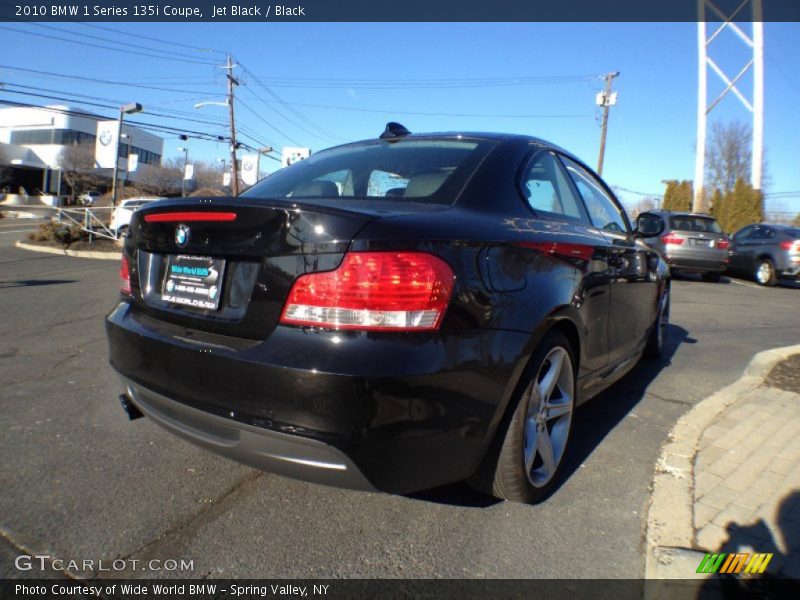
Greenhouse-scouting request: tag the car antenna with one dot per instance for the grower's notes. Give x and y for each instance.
(394, 130)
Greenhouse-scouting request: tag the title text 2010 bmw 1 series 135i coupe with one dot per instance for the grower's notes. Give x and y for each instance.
(394, 314)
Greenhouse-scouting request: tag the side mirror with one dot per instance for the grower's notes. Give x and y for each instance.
(648, 227)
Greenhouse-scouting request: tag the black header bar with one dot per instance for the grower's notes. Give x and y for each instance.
(266, 11)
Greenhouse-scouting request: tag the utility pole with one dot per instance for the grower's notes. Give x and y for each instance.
(606, 99)
(234, 171)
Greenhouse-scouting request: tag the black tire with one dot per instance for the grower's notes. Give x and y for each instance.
(510, 471)
(655, 342)
(765, 272)
(712, 277)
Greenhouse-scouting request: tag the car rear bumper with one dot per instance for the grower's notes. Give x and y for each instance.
(697, 265)
(281, 453)
(399, 412)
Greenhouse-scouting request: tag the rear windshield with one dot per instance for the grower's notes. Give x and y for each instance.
(698, 224)
(419, 170)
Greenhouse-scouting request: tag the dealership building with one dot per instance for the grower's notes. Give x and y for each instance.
(33, 142)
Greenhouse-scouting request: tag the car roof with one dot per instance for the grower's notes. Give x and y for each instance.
(470, 135)
(776, 225)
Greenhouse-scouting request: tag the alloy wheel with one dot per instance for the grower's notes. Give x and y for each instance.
(550, 405)
(764, 272)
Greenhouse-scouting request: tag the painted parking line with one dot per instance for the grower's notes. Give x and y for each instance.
(18, 231)
(747, 283)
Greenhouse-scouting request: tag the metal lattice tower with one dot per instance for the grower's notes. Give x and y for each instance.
(755, 42)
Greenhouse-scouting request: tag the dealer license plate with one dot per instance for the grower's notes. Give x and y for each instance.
(193, 281)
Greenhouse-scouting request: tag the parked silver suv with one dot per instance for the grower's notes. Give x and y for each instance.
(689, 242)
(767, 252)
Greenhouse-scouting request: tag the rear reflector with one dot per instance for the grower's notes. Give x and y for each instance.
(186, 217)
(124, 276)
(672, 238)
(374, 291)
(723, 244)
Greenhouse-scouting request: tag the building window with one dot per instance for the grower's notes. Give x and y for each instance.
(60, 137)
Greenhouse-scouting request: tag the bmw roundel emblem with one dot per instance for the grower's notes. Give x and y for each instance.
(182, 235)
(106, 136)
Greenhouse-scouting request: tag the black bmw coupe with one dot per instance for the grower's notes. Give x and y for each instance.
(393, 314)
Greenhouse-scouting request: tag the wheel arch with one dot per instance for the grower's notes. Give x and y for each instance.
(558, 321)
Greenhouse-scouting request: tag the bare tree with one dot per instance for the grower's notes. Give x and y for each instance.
(729, 155)
(208, 175)
(78, 168)
(644, 205)
(160, 180)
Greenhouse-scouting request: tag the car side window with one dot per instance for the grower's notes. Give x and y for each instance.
(759, 233)
(603, 211)
(649, 224)
(742, 234)
(547, 191)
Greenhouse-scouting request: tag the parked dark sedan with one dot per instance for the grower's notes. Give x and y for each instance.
(394, 314)
(767, 252)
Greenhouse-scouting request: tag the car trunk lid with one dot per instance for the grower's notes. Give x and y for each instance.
(225, 265)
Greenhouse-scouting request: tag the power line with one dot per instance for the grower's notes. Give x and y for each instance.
(127, 44)
(438, 114)
(397, 84)
(246, 106)
(103, 81)
(201, 135)
(139, 36)
(246, 131)
(111, 48)
(317, 130)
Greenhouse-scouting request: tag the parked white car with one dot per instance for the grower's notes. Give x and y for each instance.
(121, 217)
(89, 198)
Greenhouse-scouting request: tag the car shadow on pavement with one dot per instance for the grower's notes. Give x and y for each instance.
(34, 282)
(598, 417)
(592, 423)
(724, 280)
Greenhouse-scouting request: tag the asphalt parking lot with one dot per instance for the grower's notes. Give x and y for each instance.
(80, 482)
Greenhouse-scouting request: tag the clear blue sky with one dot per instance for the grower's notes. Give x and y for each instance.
(368, 67)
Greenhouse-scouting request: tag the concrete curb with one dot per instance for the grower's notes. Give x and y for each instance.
(73, 253)
(670, 520)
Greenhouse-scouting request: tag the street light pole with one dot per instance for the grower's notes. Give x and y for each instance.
(128, 137)
(185, 151)
(126, 109)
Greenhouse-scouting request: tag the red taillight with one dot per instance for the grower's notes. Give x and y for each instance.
(790, 245)
(672, 238)
(723, 244)
(187, 217)
(124, 276)
(400, 291)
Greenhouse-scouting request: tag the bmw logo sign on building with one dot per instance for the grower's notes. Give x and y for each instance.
(181, 235)
(106, 136)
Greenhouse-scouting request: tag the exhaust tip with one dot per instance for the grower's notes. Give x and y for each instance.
(129, 407)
